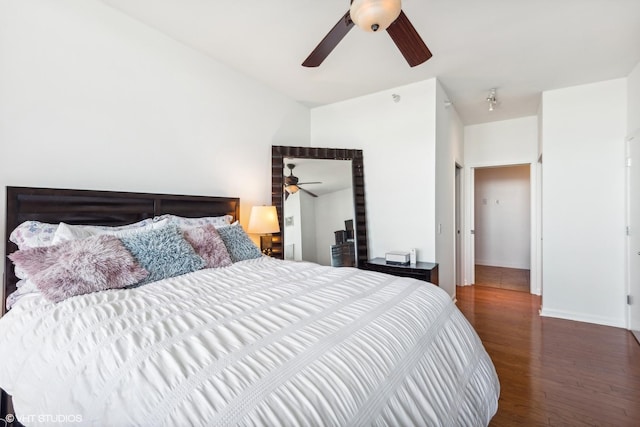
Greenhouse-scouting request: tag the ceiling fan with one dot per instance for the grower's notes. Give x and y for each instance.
(374, 15)
(291, 184)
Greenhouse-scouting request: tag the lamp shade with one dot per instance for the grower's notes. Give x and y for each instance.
(263, 220)
(374, 15)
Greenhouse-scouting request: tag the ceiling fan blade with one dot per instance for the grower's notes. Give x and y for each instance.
(329, 42)
(308, 192)
(405, 36)
(303, 183)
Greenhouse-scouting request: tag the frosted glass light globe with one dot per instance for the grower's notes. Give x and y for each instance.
(374, 15)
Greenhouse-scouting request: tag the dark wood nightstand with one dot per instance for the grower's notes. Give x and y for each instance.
(427, 271)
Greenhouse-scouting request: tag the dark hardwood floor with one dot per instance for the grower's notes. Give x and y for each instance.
(513, 279)
(554, 372)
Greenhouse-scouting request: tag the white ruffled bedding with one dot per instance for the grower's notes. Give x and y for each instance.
(263, 342)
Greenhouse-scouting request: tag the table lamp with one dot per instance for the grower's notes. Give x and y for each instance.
(264, 221)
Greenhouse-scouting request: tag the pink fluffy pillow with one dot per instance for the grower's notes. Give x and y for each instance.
(79, 267)
(207, 243)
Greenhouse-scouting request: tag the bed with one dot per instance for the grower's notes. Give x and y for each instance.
(262, 341)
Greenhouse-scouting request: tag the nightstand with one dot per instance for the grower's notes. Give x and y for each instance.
(427, 271)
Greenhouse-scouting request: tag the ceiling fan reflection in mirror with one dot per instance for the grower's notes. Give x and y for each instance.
(374, 15)
(291, 184)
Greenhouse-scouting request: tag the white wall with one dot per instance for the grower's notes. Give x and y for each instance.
(507, 142)
(90, 98)
(308, 226)
(449, 151)
(633, 130)
(503, 216)
(584, 131)
(633, 96)
(398, 143)
(332, 210)
(293, 231)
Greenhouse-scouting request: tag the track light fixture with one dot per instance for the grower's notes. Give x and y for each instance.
(491, 99)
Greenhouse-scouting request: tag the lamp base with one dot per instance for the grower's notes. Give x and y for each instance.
(266, 244)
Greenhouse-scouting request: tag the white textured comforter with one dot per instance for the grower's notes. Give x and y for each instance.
(263, 342)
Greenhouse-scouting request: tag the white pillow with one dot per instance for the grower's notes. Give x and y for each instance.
(66, 232)
(24, 287)
(33, 234)
(186, 223)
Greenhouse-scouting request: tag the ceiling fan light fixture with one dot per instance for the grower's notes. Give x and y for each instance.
(374, 15)
(291, 189)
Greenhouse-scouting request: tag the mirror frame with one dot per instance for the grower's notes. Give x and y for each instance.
(280, 152)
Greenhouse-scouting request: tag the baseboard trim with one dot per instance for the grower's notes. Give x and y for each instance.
(581, 317)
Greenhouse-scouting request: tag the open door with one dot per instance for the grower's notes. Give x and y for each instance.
(459, 272)
(633, 198)
(470, 238)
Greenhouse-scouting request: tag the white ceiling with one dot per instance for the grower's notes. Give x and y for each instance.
(333, 175)
(521, 47)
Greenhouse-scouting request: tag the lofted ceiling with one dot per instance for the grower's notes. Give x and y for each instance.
(520, 47)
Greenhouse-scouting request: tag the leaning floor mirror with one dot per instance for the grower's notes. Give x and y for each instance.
(320, 199)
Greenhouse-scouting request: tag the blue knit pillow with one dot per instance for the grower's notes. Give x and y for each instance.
(238, 243)
(163, 253)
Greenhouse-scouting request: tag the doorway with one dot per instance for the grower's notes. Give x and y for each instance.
(502, 227)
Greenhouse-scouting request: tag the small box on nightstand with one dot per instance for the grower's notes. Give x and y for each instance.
(397, 258)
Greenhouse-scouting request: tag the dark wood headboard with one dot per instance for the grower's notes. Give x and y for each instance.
(54, 205)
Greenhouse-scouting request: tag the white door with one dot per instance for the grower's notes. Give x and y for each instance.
(634, 235)
(459, 281)
(470, 253)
